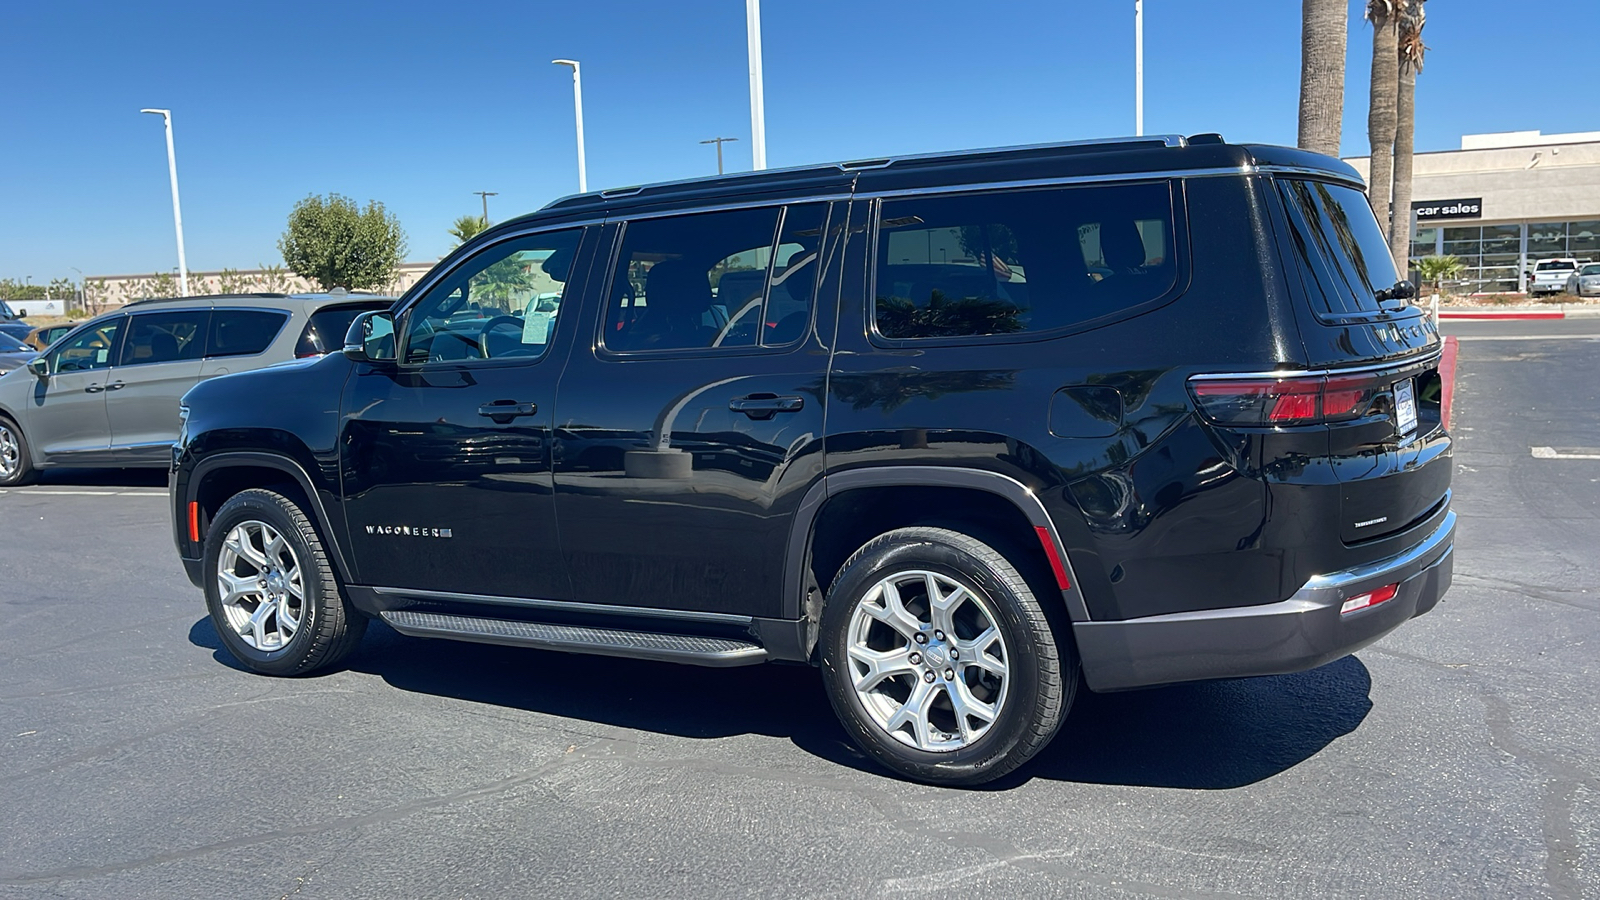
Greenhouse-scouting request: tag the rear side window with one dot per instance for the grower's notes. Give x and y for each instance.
(243, 332)
(1021, 261)
(325, 332)
(715, 281)
(1335, 241)
(164, 337)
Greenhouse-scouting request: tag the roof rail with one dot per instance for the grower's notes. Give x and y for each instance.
(1165, 140)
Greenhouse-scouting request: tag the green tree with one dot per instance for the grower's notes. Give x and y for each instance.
(468, 227)
(335, 243)
(1437, 269)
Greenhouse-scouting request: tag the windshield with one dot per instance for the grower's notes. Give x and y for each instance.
(9, 344)
(1555, 265)
(1590, 270)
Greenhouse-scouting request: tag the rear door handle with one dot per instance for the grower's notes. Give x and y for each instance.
(116, 386)
(503, 411)
(94, 389)
(765, 406)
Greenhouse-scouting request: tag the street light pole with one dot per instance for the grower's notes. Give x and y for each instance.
(758, 106)
(1138, 67)
(577, 105)
(719, 141)
(486, 195)
(177, 210)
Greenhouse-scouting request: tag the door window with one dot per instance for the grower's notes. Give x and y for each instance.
(243, 332)
(502, 303)
(1020, 261)
(89, 349)
(163, 337)
(717, 280)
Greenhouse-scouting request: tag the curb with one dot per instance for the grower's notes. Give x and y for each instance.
(1447, 378)
(1501, 315)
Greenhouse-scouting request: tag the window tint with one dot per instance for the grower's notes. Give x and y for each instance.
(502, 303)
(243, 332)
(715, 280)
(325, 332)
(88, 349)
(1335, 239)
(163, 337)
(1020, 261)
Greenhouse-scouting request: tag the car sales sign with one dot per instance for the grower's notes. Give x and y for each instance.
(1469, 208)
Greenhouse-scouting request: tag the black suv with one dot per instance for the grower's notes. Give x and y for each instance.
(952, 428)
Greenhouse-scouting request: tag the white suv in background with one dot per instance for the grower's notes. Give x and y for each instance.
(1549, 276)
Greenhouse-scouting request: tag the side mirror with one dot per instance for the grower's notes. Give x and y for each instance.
(22, 314)
(40, 368)
(371, 338)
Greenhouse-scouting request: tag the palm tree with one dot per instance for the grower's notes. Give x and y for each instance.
(1411, 49)
(466, 227)
(1323, 27)
(1435, 270)
(1381, 110)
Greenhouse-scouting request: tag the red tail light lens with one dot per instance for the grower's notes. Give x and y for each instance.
(1285, 401)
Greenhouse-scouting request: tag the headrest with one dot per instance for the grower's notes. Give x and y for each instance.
(677, 287)
(1122, 245)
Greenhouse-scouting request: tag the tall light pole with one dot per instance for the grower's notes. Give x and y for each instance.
(1138, 67)
(486, 195)
(177, 211)
(719, 142)
(577, 105)
(758, 106)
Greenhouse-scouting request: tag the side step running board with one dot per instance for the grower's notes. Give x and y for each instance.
(697, 651)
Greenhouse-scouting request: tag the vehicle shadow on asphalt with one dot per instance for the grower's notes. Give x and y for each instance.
(1203, 736)
(141, 478)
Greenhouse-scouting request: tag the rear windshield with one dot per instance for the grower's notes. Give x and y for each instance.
(1336, 243)
(1556, 265)
(325, 332)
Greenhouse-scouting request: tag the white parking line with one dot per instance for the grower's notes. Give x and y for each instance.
(73, 493)
(1526, 337)
(1553, 453)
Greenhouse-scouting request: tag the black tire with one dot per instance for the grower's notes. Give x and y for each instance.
(22, 471)
(1042, 676)
(329, 627)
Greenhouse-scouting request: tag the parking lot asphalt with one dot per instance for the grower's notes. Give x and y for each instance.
(1458, 757)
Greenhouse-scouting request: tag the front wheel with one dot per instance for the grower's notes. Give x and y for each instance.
(939, 659)
(271, 590)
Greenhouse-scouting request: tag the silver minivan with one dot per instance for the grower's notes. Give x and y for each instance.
(106, 394)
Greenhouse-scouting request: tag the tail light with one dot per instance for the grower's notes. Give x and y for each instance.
(1370, 599)
(1303, 400)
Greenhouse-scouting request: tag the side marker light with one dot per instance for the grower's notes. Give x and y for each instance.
(1054, 556)
(194, 521)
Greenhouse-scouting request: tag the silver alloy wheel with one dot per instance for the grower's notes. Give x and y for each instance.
(927, 660)
(10, 452)
(259, 581)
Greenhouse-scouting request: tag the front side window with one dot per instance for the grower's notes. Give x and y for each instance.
(90, 348)
(164, 337)
(1020, 261)
(502, 303)
(719, 280)
(1339, 248)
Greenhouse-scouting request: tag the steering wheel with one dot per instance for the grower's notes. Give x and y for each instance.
(492, 324)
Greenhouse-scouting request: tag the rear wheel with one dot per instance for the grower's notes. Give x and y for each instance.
(939, 659)
(16, 467)
(271, 590)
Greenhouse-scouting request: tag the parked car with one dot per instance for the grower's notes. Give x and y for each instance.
(1549, 276)
(42, 337)
(106, 394)
(14, 354)
(952, 428)
(1585, 282)
(16, 329)
(7, 314)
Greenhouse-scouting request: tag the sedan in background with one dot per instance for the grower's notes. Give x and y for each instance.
(14, 354)
(1585, 282)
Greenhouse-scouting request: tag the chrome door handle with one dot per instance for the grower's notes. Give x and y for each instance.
(94, 389)
(116, 386)
(765, 406)
(503, 411)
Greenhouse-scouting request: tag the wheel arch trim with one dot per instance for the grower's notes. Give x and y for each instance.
(802, 531)
(261, 459)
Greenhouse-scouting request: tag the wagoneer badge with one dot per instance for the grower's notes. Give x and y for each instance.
(409, 531)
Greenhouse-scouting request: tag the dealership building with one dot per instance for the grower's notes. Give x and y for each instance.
(1504, 201)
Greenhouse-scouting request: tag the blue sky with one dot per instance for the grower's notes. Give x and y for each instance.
(417, 105)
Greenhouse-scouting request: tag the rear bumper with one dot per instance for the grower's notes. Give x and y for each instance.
(1303, 632)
